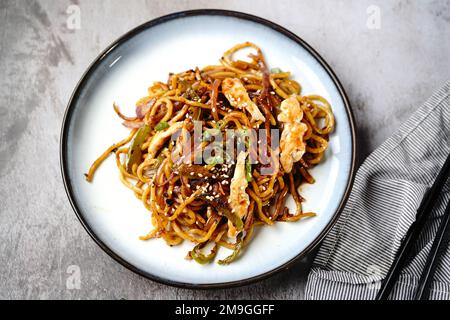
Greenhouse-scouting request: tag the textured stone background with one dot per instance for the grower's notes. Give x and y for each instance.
(387, 73)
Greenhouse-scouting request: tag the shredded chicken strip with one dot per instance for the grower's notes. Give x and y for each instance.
(239, 199)
(161, 137)
(235, 92)
(291, 142)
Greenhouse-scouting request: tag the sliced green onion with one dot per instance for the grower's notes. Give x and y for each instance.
(219, 124)
(275, 70)
(191, 94)
(200, 257)
(214, 161)
(209, 133)
(235, 254)
(248, 170)
(233, 217)
(162, 126)
(135, 152)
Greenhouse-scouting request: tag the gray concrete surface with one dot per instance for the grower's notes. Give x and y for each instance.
(388, 69)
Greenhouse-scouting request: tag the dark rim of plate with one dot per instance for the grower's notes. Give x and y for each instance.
(150, 24)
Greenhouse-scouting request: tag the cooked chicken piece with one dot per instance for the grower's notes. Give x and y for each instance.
(290, 110)
(235, 92)
(291, 142)
(239, 199)
(161, 137)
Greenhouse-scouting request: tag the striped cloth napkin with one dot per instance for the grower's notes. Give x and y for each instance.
(389, 186)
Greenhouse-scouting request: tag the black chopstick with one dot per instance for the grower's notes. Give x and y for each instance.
(439, 245)
(414, 231)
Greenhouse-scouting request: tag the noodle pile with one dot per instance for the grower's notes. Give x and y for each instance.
(191, 200)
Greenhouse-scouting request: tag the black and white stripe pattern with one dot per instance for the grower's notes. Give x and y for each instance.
(358, 251)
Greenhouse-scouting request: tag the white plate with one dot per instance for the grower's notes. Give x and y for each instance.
(110, 212)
